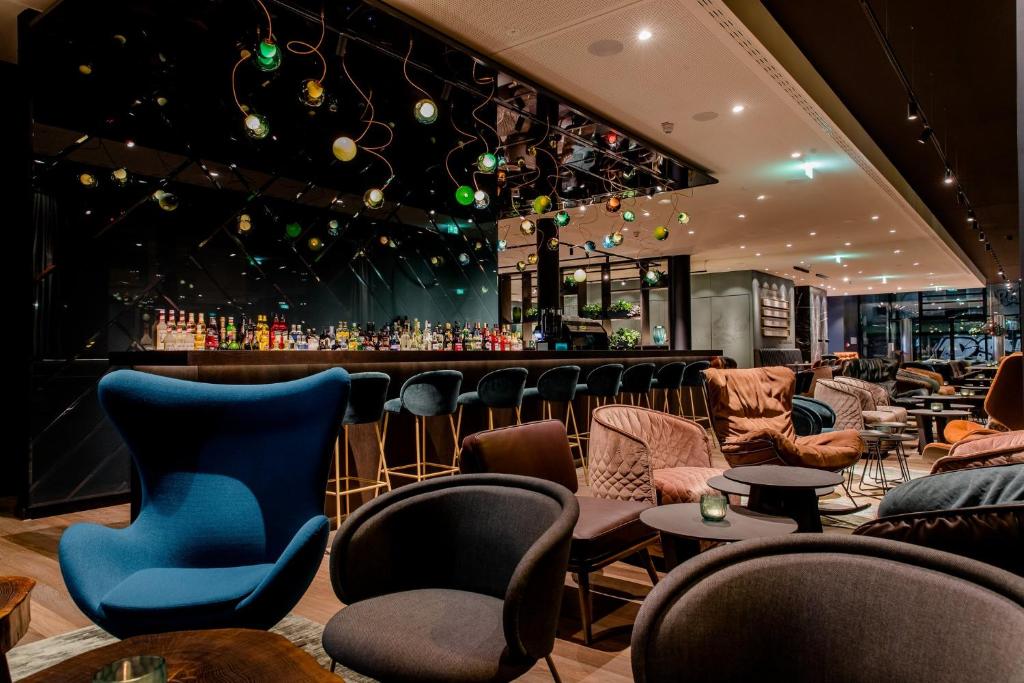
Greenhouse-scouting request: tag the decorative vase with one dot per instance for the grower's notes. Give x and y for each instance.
(658, 335)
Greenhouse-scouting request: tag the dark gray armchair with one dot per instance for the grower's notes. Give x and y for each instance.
(814, 608)
(452, 580)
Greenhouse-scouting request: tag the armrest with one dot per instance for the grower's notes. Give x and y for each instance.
(94, 558)
(294, 569)
(756, 450)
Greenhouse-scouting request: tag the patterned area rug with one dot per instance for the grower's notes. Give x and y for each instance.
(28, 659)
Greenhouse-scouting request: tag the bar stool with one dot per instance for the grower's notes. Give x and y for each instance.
(558, 385)
(428, 394)
(693, 380)
(602, 386)
(369, 391)
(636, 383)
(669, 378)
(502, 388)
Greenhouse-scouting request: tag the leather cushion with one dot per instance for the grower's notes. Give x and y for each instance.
(683, 484)
(606, 527)
(535, 449)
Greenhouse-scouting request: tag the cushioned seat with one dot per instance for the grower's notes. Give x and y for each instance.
(431, 645)
(174, 588)
(531, 392)
(605, 527)
(470, 398)
(393, 405)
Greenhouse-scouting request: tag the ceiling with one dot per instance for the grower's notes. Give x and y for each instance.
(698, 64)
(960, 60)
(9, 11)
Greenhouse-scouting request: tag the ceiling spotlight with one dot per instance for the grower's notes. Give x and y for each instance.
(971, 217)
(897, 251)
(846, 244)
(789, 245)
(892, 231)
(737, 108)
(874, 218)
(757, 254)
(912, 112)
(795, 155)
(760, 197)
(926, 135)
(948, 177)
(644, 35)
(812, 234)
(741, 215)
(129, 143)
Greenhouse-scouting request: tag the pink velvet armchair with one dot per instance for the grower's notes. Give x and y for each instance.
(646, 455)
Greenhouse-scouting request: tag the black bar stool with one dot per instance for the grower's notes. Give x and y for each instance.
(369, 391)
(693, 381)
(428, 394)
(669, 378)
(636, 383)
(502, 388)
(602, 387)
(558, 385)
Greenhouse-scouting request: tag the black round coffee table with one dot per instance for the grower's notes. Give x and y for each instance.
(785, 490)
(721, 483)
(682, 528)
(926, 434)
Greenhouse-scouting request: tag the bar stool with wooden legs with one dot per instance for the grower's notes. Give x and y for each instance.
(429, 394)
(636, 384)
(502, 388)
(602, 387)
(693, 382)
(369, 391)
(558, 385)
(669, 379)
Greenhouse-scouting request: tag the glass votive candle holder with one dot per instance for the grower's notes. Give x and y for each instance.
(713, 507)
(937, 406)
(141, 669)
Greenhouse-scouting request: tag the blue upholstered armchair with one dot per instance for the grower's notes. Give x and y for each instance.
(231, 529)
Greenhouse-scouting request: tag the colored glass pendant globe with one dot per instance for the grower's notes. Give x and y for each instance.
(502, 245)
(256, 126)
(268, 55)
(425, 111)
(613, 204)
(311, 93)
(607, 242)
(531, 258)
(541, 204)
(580, 275)
(661, 233)
(315, 244)
(683, 218)
(333, 228)
(652, 277)
(562, 219)
(628, 216)
(435, 260)
(481, 200)
(344, 148)
(589, 246)
(617, 238)
(464, 259)
(373, 198)
(520, 266)
(487, 162)
(464, 195)
(87, 180)
(553, 244)
(119, 176)
(527, 227)
(166, 200)
(293, 230)
(244, 223)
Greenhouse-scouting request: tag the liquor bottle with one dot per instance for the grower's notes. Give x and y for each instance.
(456, 337)
(329, 340)
(229, 334)
(446, 344)
(396, 339)
(160, 330)
(354, 339)
(199, 338)
(210, 340)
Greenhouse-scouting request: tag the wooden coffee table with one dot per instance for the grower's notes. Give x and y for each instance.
(682, 528)
(15, 616)
(232, 654)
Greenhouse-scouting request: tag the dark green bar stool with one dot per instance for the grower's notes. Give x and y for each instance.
(502, 388)
(669, 378)
(636, 383)
(558, 385)
(428, 394)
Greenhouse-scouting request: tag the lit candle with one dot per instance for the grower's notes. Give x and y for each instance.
(142, 669)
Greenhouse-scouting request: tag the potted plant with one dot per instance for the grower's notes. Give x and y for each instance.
(620, 309)
(531, 313)
(624, 338)
(592, 311)
(569, 284)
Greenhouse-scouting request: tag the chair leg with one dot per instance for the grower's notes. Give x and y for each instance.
(334, 665)
(348, 503)
(455, 437)
(337, 484)
(551, 668)
(490, 418)
(645, 555)
(583, 583)
(419, 460)
(519, 415)
(382, 467)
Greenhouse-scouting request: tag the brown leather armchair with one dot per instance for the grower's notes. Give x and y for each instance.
(646, 455)
(983, 450)
(607, 530)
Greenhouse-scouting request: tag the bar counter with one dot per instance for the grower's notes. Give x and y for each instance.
(252, 367)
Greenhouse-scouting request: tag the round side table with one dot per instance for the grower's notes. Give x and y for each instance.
(786, 490)
(926, 432)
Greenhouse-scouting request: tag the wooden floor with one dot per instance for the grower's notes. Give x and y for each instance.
(29, 548)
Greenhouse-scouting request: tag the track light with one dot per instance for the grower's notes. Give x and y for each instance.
(948, 177)
(981, 236)
(926, 135)
(971, 217)
(912, 112)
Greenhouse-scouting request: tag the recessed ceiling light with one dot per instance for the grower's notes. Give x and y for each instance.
(846, 265)
(757, 254)
(870, 288)
(690, 232)
(743, 246)
(796, 155)
(846, 279)
(737, 108)
(130, 143)
(760, 197)
(789, 245)
(892, 231)
(917, 263)
(741, 215)
(874, 218)
(847, 243)
(643, 35)
(899, 289)
(812, 234)
(897, 251)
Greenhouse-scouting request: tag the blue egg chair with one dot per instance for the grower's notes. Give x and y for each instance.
(230, 530)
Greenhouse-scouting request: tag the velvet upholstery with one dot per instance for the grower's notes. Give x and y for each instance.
(812, 607)
(669, 376)
(982, 450)
(457, 579)
(604, 381)
(435, 392)
(692, 373)
(752, 416)
(977, 513)
(637, 379)
(369, 391)
(231, 529)
(633, 450)
(557, 385)
(502, 388)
